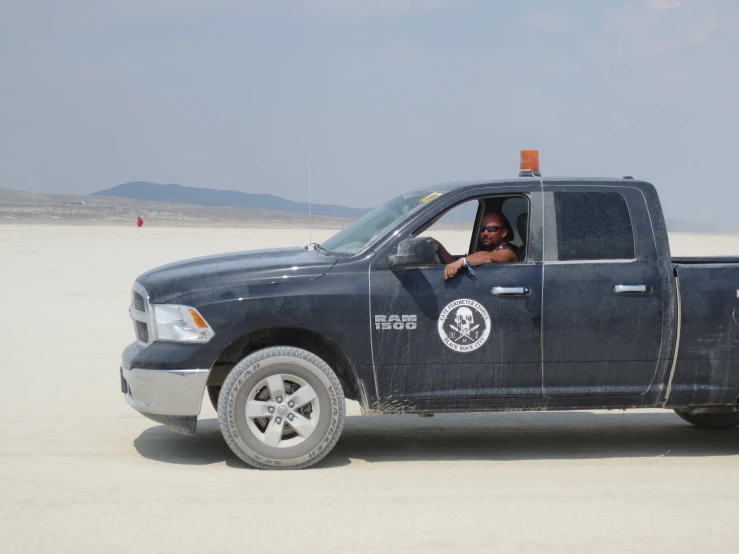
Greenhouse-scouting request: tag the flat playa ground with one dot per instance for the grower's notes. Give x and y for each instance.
(80, 471)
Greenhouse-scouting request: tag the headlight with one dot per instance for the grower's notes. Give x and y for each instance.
(180, 323)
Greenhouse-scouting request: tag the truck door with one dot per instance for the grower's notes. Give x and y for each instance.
(603, 291)
(474, 336)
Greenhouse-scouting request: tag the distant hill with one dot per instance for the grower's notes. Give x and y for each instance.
(153, 192)
(18, 207)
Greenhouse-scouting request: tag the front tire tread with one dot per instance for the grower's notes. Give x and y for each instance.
(257, 357)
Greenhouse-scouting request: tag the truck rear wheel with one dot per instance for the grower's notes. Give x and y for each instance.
(725, 420)
(281, 408)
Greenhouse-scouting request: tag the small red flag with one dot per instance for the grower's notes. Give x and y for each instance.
(139, 221)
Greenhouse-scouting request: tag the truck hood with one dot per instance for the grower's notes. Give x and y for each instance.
(256, 266)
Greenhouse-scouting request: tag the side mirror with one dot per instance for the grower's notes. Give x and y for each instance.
(414, 252)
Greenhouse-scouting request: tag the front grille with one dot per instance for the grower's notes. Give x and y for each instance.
(138, 302)
(139, 312)
(142, 331)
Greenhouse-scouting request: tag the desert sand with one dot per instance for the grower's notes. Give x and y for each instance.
(80, 471)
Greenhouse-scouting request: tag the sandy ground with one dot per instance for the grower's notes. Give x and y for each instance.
(82, 472)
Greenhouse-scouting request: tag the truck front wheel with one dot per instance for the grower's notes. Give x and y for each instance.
(281, 408)
(725, 420)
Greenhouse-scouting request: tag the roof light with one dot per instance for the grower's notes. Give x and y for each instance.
(529, 163)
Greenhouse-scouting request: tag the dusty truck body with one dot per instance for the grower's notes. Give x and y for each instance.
(595, 314)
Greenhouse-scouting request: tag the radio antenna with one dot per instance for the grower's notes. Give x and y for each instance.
(310, 212)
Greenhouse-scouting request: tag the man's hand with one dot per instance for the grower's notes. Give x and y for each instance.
(451, 270)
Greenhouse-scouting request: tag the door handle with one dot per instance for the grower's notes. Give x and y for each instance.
(509, 291)
(632, 289)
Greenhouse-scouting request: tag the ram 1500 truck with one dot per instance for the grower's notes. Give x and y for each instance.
(595, 314)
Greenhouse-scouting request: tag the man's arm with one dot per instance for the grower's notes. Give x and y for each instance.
(503, 256)
(480, 258)
(444, 255)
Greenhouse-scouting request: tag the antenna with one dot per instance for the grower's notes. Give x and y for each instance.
(310, 213)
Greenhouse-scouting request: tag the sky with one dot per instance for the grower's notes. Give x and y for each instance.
(374, 96)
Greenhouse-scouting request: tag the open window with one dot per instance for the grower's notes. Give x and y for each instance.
(458, 228)
(516, 211)
(454, 227)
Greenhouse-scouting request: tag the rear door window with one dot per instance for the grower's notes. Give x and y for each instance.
(593, 226)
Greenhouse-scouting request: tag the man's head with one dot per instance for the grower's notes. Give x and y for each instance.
(494, 230)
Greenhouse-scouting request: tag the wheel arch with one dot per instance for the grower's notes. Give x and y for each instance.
(309, 340)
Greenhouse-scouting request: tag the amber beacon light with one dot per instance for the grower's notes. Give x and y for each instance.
(529, 163)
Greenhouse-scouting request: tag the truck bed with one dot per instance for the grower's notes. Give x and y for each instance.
(706, 260)
(707, 367)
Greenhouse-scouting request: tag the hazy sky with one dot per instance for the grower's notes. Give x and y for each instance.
(376, 96)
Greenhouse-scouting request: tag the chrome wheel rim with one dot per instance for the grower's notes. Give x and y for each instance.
(282, 410)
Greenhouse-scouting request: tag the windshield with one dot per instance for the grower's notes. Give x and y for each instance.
(370, 227)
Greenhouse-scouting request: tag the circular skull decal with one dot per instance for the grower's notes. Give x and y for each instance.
(464, 325)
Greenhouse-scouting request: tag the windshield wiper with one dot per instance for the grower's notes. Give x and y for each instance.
(318, 247)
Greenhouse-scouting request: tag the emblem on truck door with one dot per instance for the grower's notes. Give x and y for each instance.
(464, 325)
(397, 322)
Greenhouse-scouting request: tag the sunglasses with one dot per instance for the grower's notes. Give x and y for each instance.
(490, 228)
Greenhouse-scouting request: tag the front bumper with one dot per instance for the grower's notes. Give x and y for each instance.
(172, 397)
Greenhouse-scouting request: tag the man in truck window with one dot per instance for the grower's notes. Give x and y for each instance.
(494, 246)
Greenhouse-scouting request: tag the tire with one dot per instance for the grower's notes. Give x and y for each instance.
(213, 392)
(726, 420)
(256, 416)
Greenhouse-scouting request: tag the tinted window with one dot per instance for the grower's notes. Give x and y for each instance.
(593, 226)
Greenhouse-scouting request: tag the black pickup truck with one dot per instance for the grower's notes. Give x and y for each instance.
(595, 314)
